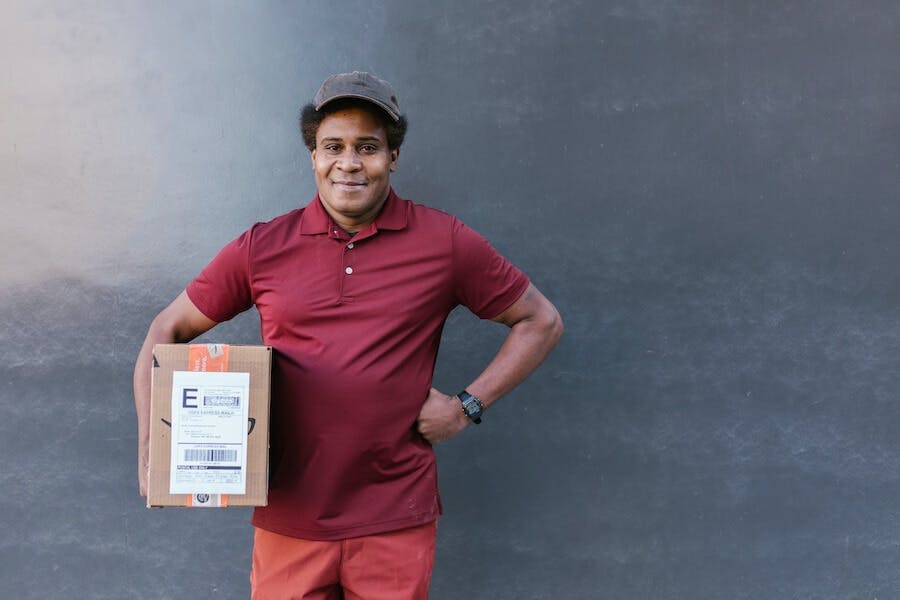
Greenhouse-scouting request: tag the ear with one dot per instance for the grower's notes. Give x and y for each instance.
(395, 154)
(312, 158)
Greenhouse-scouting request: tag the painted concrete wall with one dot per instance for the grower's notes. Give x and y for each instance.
(707, 190)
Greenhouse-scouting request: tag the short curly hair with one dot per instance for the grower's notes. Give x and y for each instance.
(310, 119)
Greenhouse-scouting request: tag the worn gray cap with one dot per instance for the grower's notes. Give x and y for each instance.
(359, 84)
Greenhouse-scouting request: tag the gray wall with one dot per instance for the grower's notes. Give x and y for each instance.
(707, 190)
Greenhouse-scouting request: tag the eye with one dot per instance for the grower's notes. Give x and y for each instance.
(332, 147)
(368, 148)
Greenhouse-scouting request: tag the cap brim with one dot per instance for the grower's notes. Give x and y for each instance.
(389, 110)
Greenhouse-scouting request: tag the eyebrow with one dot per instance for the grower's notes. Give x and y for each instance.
(368, 138)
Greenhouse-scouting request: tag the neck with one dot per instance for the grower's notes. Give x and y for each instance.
(355, 223)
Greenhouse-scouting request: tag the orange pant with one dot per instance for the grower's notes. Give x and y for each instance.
(390, 566)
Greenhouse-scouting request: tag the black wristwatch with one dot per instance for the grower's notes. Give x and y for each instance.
(471, 406)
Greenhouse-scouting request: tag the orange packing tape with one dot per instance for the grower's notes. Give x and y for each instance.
(206, 501)
(208, 357)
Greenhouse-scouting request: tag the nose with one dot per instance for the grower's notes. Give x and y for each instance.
(349, 161)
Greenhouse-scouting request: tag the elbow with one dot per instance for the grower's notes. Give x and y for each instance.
(165, 330)
(553, 326)
(162, 330)
(558, 327)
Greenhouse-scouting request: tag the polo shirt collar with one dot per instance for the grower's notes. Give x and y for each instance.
(316, 220)
(393, 213)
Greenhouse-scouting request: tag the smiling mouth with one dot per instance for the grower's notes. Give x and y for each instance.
(352, 184)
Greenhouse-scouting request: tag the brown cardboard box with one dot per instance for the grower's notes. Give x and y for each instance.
(221, 438)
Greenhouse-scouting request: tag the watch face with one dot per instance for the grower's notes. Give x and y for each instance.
(472, 407)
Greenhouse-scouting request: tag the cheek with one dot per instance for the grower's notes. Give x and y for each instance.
(383, 167)
(321, 167)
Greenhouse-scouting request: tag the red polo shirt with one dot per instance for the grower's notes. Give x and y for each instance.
(355, 324)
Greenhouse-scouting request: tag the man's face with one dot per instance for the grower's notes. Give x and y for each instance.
(353, 164)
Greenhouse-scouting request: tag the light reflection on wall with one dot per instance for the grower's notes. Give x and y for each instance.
(131, 151)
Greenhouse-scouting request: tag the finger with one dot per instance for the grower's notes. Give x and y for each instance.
(426, 437)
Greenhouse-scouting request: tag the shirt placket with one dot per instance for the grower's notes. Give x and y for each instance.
(348, 266)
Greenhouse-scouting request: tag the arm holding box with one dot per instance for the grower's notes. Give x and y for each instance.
(180, 322)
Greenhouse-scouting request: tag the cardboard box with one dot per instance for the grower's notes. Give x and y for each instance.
(210, 404)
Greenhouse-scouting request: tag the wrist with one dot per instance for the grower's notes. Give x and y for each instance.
(472, 408)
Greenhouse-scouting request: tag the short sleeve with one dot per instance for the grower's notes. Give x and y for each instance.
(486, 282)
(222, 290)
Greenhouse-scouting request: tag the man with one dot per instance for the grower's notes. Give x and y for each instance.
(353, 291)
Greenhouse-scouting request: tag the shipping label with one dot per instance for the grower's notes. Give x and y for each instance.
(209, 432)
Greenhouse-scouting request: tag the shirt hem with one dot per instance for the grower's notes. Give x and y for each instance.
(343, 532)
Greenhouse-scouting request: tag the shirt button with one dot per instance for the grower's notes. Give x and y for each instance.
(350, 246)
(348, 270)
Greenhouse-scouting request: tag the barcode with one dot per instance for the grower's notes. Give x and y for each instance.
(209, 455)
(229, 401)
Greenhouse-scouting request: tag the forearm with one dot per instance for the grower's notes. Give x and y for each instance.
(535, 328)
(157, 334)
(180, 322)
(528, 343)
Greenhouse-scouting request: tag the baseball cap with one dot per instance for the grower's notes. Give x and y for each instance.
(358, 84)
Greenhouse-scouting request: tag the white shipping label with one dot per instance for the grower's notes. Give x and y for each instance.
(209, 432)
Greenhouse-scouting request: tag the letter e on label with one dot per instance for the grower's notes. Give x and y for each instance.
(189, 394)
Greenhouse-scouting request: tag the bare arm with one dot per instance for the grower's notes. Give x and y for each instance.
(535, 328)
(179, 322)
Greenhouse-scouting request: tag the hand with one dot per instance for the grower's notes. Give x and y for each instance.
(143, 470)
(441, 417)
